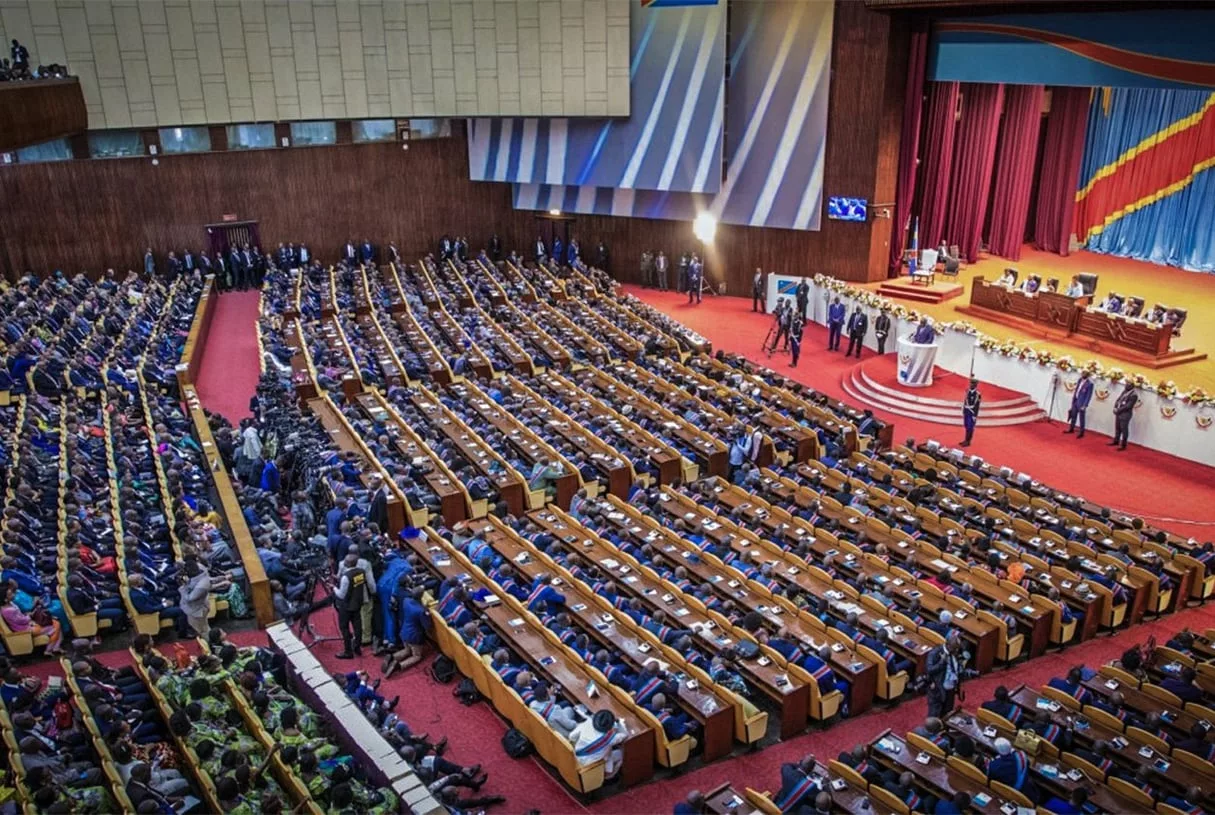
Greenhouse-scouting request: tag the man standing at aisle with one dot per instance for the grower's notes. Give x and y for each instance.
(795, 340)
(757, 291)
(1124, 409)
(881, 330)
(647, 269)
(695, 275)
(802, 292)
(835, 324)
(348, 598)
(858, 324)
(661, 264)
(970, 410)
(1080, 399)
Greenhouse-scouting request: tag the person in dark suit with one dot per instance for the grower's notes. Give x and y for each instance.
(802, 293)
(149, 260)
(236, 268)
(187, 262)
(858, 325)
(881, 330)
(835, 324)
(795, 340)
(1080, 399)
(1183, 687)
(602, 258)
(367, 251)
(798, 785)
(1124, 409)
(970, 410)
(377, 512)
(349, 253)
(1011, 767)
(495, 247)
(757, 291)
(540, 249)
(394, 254)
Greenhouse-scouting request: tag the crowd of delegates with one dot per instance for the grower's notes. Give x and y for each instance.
(63, 770)
(235, 268)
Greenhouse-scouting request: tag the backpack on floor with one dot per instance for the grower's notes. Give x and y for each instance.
(516, 744)
(466, 691)
(443, 670)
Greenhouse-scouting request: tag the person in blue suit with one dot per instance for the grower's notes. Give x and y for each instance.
(1011, 767)
(881, 645)
(145, 602)
(394, 585)
(1080, 400)
(415, 624)
(956, 805)
(543, 597)
(798, 785)
(1191, 804)
(675, 723)
(835, 324)
(1072, 685)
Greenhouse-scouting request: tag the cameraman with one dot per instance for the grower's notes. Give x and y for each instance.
(348, 599)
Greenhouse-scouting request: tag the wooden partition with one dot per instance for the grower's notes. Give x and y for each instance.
(192, 353)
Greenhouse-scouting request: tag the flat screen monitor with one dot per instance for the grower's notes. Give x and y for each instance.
(847, 209)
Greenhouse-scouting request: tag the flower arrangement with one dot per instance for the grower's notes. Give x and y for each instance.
(1139, 381)
(1166, 388)
(1064, 363)
(988, 342)
(1196, 396)
(1094, 368)
(1115, 374)
(1046, 358)
(1028, 354)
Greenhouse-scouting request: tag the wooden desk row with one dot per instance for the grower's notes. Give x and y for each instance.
(544, 418)
(545, 657)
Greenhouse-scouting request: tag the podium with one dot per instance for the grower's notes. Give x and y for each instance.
(916, 362)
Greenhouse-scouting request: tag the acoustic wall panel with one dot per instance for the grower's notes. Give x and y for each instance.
(673, 139)
(181, 62)
(780, 66)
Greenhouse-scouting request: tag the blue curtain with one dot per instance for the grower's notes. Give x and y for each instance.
(1177, 228)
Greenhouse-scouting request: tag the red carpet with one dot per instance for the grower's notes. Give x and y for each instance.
(228, 374)
(1178, 494)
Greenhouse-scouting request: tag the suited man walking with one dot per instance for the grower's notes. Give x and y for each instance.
(858, 324)
(757, 291)
(970, 410)
(349, 253)
(1124, 409)
(149, 262)
(835, 324)
(881, 330)
(1080, 399)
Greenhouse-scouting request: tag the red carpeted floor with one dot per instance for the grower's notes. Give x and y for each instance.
(1142, 481)
(228, 374)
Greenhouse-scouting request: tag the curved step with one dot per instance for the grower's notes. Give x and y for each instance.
(858, 389)
(929, 400)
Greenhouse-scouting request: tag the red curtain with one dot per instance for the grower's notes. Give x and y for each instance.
(972, 163)
(1060, 173)
(937, 164)
(909, 142)
(1015, 169)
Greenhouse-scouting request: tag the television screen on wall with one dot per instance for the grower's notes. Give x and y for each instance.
(847, 209)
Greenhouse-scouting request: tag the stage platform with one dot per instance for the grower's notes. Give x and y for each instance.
(875, 382)
(943, 288)
(1155, 284)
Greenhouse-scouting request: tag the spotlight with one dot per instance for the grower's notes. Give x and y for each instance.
(705, 227)
(554, 212)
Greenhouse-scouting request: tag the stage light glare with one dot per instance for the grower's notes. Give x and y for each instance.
(705, 227)
(554, 212)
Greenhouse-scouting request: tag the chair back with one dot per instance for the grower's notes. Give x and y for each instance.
(848, 774)
(1009, 794)
(1131, 793)
(1088, 282)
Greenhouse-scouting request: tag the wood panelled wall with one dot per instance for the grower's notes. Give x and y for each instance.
(34, 112)
(91, 214)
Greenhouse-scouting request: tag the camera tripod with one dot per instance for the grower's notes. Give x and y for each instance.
(304, 620)
(769, 344)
